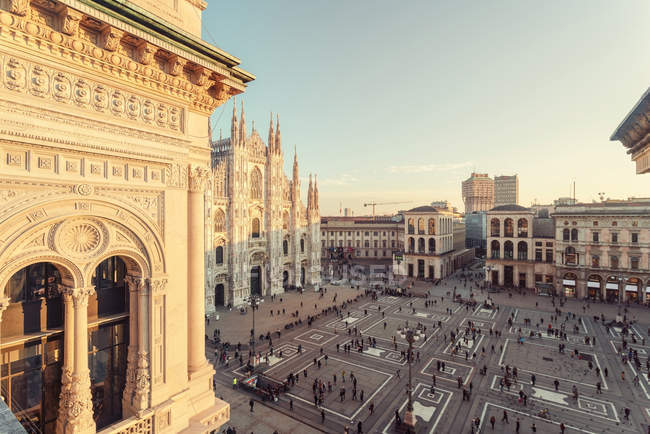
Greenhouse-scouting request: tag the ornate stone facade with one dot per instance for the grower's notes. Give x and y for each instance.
(260, 236)
(102, 134)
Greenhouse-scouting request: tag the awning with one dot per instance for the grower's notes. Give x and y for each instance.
(591, 284)
(612, 286)
(569, 282)
(631, 288)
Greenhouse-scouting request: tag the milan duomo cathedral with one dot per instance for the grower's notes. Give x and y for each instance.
(263, 240)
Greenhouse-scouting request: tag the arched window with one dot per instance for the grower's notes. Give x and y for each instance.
(285, 247)
(219, 221)
(574, 235)
(565, 235)
(508, 228)
(495, 247)
(508, 248)
(432, 245)
(411, 228)
(421, 245)
(495, 228)
(522, 228)
(255, 229)
(218, 253)
(420, 226)
(256, 184)
(522, 251)
(570, 256)
(411, 244)
(302, 245)
(432, 226)
(285, 220)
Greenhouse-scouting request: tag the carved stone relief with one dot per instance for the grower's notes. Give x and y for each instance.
(88, 95)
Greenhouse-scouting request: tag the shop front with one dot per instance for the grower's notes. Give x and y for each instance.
(647, 294)
(569, 286)
(594, 288)
(545, 289)
(611, 291)
(632, 288)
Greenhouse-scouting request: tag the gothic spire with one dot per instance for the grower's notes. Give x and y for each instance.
(271, 136)
(242, 126)
(278, 137)
(295, 163)
(310, 194)
(316, 192)
(234, 126)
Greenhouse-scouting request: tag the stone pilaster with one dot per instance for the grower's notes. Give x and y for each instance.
(196, 290)
(65, 398)
(132, 355)
(142, 372)
(79, 414)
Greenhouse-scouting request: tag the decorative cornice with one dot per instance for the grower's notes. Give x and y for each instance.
(104, 55)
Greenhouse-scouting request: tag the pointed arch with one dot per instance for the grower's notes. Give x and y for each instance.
(256, 184)
(219, 221)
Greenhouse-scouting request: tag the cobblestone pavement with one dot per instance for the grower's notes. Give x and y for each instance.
(381, 370)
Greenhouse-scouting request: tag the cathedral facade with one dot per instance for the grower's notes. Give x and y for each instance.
(261, 239)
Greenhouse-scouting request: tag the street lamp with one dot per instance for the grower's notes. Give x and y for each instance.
(253, 301)
(411, 335)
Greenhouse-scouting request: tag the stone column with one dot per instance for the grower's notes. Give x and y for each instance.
(80, 415)
(195, 290)
(142, 371)
(132, 355)
(68, 359)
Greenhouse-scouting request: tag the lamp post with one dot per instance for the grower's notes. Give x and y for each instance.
(253, 302)
(411, 335)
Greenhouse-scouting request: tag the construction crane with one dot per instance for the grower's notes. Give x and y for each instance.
(373, 204)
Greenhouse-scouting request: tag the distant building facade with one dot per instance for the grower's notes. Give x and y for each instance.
(351, 238)
(632, 132)
(478, 193)
(603, 250)
(519, 248)
(506, 190)
(476, 231)
(262, 238)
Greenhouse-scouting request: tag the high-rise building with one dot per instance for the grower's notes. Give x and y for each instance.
(506, 190)
(478, 193)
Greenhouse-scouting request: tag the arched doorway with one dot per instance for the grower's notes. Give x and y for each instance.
(594, 287)
(632, 290)
(569, 284)
(285, 279)
(219, 295)
(31, 370)
(108, 311)
(612, 289)
(32, 379)
(256, 280)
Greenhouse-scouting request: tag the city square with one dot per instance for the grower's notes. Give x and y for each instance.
(382, 369)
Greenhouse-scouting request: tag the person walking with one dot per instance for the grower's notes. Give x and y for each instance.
(517, 426)
(322, 416)
(251, 403)
(505, 417)
(359, 428)
(493, 421)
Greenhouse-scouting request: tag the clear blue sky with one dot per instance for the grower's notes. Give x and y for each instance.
(400, 101)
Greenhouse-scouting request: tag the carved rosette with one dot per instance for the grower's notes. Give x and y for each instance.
(197, 177)
(142, 382)
(80, 238)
